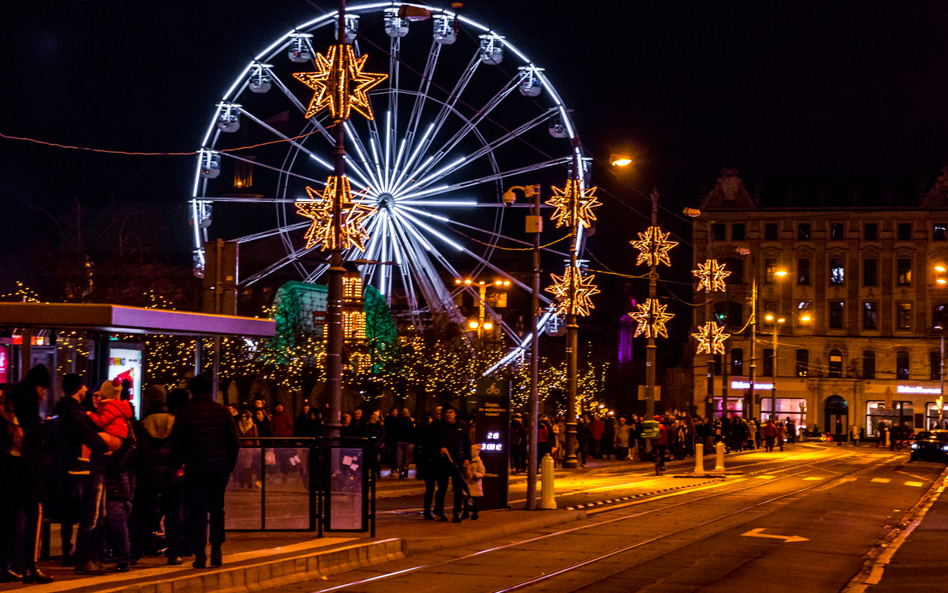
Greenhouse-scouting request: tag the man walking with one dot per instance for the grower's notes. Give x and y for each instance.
(204, 439)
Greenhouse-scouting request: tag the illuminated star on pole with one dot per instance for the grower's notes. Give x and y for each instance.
(711, 276)
(574, 205)
(653, 246)
(340, 83)
(651, 318)
(582, 288)
(711, 338)
(319, 208)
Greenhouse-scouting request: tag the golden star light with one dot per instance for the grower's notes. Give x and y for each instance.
(711, 338)
(340, 83)
(582, 289)
(711, 276)
(354, 215)
(653, 246)
(574, 206)
(651, 317)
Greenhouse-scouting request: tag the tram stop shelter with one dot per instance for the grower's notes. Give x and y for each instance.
(99, 322)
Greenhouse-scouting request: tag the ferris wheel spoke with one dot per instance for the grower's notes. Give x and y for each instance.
(289, 140)
(287, 259)
(391, 123)
(286, 172)
(272, 232)
(414, 119)
(323, 130)
(360, 150)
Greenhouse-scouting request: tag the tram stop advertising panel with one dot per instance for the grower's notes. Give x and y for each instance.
(493, 435)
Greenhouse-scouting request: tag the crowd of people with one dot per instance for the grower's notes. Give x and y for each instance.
(94, 465)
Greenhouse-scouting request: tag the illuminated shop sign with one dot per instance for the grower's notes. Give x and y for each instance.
(747, 385)
(918, 389)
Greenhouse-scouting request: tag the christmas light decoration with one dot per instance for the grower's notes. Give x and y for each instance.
(651, 317)
(582, 289)
(653, 246)
(574, 206)
(340, 83)
(354, 216)
(711, 338)
(711, 276)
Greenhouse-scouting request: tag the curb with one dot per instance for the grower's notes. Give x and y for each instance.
(267, 575)
(421, 546)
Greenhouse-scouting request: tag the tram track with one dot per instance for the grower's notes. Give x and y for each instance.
(802, 467)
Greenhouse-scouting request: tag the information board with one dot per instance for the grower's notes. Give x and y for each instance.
(493, 434)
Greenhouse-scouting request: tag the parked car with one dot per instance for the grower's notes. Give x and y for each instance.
(930, 444)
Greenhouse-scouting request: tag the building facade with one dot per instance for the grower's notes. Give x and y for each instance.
(862, 304)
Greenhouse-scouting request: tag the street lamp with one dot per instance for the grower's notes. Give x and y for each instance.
(482, 286)
(776, 322)
(779, 274)
(941, 281)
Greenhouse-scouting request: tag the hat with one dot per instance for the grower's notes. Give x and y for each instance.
(156, 394)
(110, 389)
(659, 418)
(39, 376)
(72, 383)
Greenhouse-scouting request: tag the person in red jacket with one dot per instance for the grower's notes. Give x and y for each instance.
(281, 423)
(770, 434)
(596, 427)
(661, 443)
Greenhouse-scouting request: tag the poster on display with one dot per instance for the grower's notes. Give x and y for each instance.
(493, 435)
(4, 363)
(125, 363)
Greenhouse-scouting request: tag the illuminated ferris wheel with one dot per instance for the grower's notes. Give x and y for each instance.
(462, 115)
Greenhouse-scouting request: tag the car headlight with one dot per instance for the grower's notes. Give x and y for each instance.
(944, 447)
(915, 446)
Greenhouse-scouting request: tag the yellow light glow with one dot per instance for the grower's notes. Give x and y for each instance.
(620, 160)
(781, 273)
(940, 268)
(653, 246)
(711, 276)
(456, 281)
(353, 215)
(711, 338)
(651, 318)
(498, 282)
(340, 83)
(805, 318)
(574, 206)
(942, 281)
(506, 282)
(769, 317)
(472, 325)
(467, 281)
(488, 325)
(573, 282)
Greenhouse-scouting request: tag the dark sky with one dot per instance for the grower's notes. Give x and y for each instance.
(849, 89)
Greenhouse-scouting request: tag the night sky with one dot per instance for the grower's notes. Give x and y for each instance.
(855, 90)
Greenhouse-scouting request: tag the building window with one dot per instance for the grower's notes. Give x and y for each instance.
(902, 365)
(837, 272)
(938, 316)
(803, 272)
(870, 315)
(768, 362)
(803, 363)
(737, 231)
(905, 231)
(770, 266)
(941, 232)
(803, 231)
(718, 231)
(905, 272)
(836, 315)
(868, 364)
(934, 361)
(870, 272)
(904, 315)
(804, 311)
(871, 231)
(770, 231)
(737, 362)
(836, 364)
(837, 232)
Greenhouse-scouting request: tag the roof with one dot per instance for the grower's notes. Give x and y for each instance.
(130, 320)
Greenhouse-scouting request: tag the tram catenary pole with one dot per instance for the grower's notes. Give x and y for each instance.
(336, 271)
(572, 330)
(533, 404)
(650, 349)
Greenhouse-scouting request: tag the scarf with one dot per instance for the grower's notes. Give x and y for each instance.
(245, 426)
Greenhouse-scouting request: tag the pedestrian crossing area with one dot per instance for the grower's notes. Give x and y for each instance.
(896, 481)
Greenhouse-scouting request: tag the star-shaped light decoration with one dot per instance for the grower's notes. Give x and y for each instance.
(653, 246)
(711, 276)
(651, 317)
(340, 83)
(354, 214)
(582, 289)
(711, 338)
(574, 206)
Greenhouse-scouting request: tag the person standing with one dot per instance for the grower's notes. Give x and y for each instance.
(854, 434)
(583, 437)
(839, 432)
(204, 440)
(426, 462)
(518, 444)
(607, 446)
(623, 434)
(455, 451)
(474, 480)
(119, 493)
(391, 441)
(374, 430)
(596, 429)
(281, 424)
(770, 434)
(661, 444)
(404, 440)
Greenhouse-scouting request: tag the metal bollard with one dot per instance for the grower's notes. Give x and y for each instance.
(699, 459)
(547, 499)
(719, 462)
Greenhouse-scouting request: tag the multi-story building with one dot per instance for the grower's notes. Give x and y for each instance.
(862, 303)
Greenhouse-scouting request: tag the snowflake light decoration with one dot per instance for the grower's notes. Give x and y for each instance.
(582, 287)
(340, 83)
(354, 215)
(653, 246)
(651, 317)
(711, 276)
(711, 338)
(574, 206)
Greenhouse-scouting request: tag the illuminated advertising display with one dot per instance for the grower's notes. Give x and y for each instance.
(4, 362)
(493, 430)
(125, 364)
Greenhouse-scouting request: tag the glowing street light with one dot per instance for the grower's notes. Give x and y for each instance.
(620, 160)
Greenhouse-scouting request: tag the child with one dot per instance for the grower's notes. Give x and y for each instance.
(111, 416)
(475, 471)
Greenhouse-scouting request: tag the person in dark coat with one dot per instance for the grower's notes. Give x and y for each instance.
(518, 444)
(263, 424)
(204, 439)
(159, 487)
(28, 472)
(391, 441)
(374, 430)
(11, 499)
(426, 460)
(404, 439)
(454, 447)
(119, 493)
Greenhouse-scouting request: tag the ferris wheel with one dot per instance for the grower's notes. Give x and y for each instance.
(462, 115)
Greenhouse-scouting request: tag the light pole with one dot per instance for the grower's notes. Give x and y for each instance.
(941, 281)
(776, 322)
